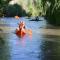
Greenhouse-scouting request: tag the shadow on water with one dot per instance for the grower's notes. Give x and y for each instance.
(4, 49)
(50, 48)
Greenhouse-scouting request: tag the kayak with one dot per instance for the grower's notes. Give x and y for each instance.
(23, 32)
(20, 33)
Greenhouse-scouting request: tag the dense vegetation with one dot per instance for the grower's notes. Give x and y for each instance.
(32, 8)
(3, 4)
(14, 10)
(52, 11)
(35, 8)
(48, 8)
(8, 10)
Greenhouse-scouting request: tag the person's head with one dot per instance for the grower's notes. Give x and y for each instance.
(21, 24)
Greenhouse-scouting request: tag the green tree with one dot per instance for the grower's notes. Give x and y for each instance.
(3, 4)
(35, 7)
(52, 11)
(13, 10)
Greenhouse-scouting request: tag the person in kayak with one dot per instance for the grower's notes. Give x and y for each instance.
(21, 25)
(21, 29)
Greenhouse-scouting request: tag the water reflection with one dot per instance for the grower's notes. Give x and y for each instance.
(50, 48)
(4, 49)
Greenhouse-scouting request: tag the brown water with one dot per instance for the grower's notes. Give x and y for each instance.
(44, 44)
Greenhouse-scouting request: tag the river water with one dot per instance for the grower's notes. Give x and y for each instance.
(44, 44)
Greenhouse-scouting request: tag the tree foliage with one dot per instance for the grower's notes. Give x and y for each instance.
(3, 4)
(52, 11)
(35, 7)
(13, 10)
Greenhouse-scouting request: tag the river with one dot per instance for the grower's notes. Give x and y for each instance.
(44, 44)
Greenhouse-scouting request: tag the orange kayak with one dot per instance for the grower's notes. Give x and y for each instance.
(20, 33)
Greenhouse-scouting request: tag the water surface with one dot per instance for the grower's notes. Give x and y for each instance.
(44, 44)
